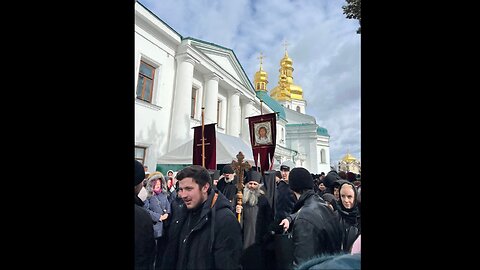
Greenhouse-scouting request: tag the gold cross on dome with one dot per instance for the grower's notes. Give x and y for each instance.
(261, 58)
(285, 44)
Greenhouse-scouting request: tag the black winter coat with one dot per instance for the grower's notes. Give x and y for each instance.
(144, 240)
(205, 247)
(229, 190)
(284, 201)
(316, 229)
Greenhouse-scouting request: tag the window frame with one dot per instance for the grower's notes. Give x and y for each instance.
(142, 79)
(140, 159)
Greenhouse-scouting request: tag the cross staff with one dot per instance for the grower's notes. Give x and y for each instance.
(239, 167)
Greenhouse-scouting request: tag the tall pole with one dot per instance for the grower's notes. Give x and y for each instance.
(203, 128)
(203, 137)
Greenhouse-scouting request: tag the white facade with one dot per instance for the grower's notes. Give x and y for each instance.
(180, 65)
(212, 73)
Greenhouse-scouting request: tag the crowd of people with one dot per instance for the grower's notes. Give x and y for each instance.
(287, 219)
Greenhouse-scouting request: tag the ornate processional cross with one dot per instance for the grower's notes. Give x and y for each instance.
(239, 166)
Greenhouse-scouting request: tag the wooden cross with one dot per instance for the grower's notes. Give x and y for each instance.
(239, 166)
(204, 139)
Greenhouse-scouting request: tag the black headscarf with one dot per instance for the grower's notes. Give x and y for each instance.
(349, 215)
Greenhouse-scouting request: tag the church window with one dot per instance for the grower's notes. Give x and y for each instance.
(283, 135)
(322, 156)
(194, 103)
(219, 110)
(298, 108)
(145, 82)
(140, 154)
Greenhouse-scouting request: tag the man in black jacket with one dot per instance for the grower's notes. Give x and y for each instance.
(316, 230)
(144, 240)
(204, 234)
(227, 184)
(284, 198)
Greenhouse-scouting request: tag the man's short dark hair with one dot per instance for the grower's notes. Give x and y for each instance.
(198, 173)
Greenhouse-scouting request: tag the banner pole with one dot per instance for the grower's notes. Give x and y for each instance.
(203, 137)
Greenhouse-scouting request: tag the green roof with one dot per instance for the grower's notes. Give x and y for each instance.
(273, 104)
(322, 131)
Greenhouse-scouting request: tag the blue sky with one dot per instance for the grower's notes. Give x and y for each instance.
(323, 45)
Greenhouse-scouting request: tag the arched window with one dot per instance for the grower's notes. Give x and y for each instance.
(322, 156)
(298, 108)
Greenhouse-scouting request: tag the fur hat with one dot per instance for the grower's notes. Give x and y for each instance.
(152, 178)
(253, 176)
(139, 173)
(300, 179)
(228, 169)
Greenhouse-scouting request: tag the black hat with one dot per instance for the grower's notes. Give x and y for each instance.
(330, 179)
(253, 176)
(227, 169)
(329, 197)
(300, 179)
(214, 174)
(351, 176)
(139, 173)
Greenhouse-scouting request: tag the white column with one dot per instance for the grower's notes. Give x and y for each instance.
(234, 110)
(180, 127)
(247, 111)
(211, 97)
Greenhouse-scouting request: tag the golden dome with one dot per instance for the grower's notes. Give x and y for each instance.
(286, 61)
(348, 158)
(261, 77)
(286, 90)
(296, 92)
(282, 91)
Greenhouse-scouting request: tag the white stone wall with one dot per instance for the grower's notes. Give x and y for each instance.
(152, 121)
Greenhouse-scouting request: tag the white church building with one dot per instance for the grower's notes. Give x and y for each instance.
(176, 76)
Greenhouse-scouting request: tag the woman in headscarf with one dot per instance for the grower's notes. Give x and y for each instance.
(349, 214)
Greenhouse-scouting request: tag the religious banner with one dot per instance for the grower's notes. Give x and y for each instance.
(263, 132)
(210, 146)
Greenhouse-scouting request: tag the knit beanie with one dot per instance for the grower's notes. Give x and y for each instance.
(139, 173)
(300, 179)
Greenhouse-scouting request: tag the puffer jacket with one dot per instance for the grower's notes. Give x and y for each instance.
(209, 245)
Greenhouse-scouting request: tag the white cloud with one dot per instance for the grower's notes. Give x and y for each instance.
(323, 45)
